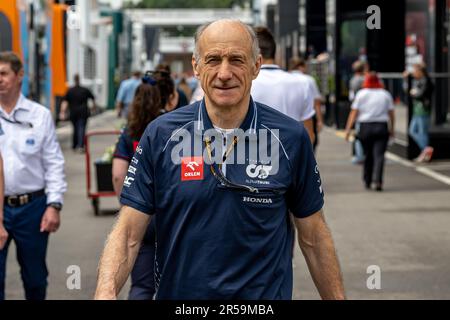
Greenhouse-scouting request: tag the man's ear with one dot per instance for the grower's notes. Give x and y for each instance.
(21, 74)
(195, 67)
(257, 67)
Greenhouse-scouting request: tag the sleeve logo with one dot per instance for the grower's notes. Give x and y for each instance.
(191, 168)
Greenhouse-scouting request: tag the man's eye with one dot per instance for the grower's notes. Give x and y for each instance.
(237, 60)
(212, 60)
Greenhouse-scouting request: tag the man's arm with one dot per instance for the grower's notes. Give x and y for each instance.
(350, 121)
(317, 108)
(317, 246)
(120, 252)
(63, 111)
(392, 123)
(54, 175)
(308, 124)
(3, 232)
(119, 172)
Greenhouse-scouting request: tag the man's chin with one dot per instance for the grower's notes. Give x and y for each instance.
(225, 103)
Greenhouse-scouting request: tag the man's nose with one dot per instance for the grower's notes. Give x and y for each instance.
(225, 73)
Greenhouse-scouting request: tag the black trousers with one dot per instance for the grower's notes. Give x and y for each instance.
(374, 137)
(79, 130)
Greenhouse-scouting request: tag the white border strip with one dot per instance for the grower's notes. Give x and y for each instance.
(425, 171)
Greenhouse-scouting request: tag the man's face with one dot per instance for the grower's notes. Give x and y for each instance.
(226, 67)
(10, 82)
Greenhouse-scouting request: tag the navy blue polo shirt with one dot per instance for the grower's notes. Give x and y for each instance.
(215, 242)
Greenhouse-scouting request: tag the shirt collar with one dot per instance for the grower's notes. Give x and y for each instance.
(270, 67)
(203, 122)
(21, 104)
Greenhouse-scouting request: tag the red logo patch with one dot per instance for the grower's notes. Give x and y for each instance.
(135, 145)
(191, 168)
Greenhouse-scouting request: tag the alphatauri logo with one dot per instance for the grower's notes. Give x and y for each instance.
(256, 200)
(259, 171)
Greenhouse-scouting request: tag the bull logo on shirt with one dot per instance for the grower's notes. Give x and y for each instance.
(258, 171)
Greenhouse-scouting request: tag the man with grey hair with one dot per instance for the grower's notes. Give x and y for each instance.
(223, 228)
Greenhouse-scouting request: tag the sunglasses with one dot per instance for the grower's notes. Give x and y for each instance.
(151, 77)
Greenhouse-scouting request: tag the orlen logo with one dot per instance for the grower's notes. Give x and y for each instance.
(256, 200)
(260, 171)
(191, 168)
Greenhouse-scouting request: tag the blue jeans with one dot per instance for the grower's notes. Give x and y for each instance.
(79, 130)
(418, 130)
(23, 224)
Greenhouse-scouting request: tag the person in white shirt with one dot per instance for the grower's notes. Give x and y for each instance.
(280, 89)
(373, 109)
(297, 67)
(33, 167)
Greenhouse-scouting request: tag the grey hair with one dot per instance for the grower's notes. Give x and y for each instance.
(250, 31)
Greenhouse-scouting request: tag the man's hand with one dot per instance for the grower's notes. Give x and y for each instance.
(3, 236)
(347, 135)
(319, 126)
(50, 221)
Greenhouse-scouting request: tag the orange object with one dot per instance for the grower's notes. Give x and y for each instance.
(57, 55)
(10, 11)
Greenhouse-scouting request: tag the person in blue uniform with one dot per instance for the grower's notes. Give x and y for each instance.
(223, 222)
(146, 107)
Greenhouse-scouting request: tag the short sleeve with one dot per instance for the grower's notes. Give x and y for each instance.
(390, 101)
(305, 196)
(121, 93)
(138, 187)
(308, 109)
(124, 148)
(315, 89)
(356, 104)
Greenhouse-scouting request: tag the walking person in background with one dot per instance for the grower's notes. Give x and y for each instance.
(421, 93)
(77, 101)
(297, 67)
(170, 94)
(35, 183)
(372, 109)
(184, 86)
(360, 68)
(145, 107)
(125, 94)
(279, 89)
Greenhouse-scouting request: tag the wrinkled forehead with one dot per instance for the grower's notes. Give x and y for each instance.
(225, 36)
